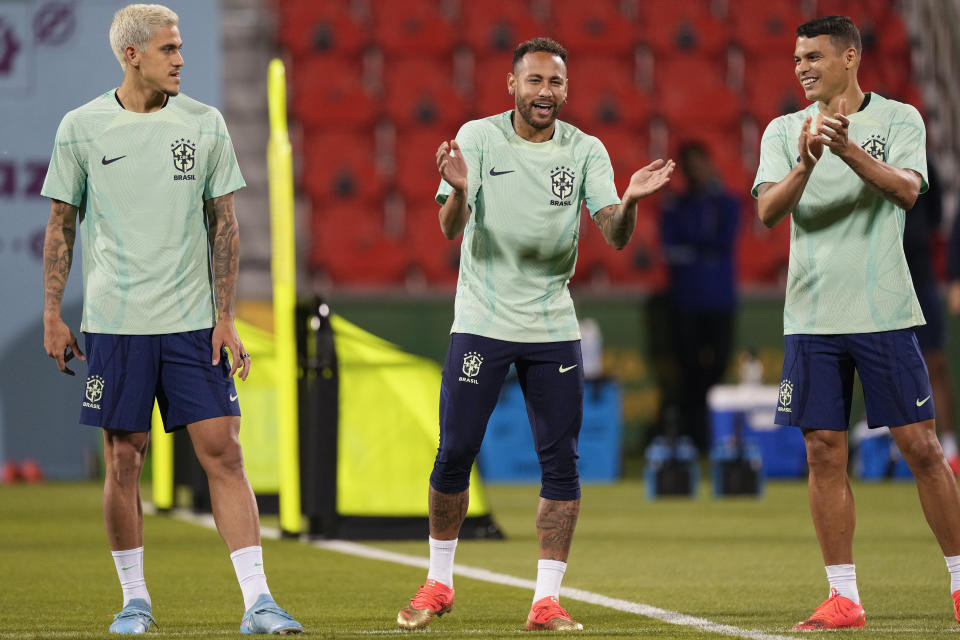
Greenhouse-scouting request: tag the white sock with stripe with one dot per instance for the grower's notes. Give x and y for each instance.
(953, 566)
(248, 563)
(549, 576)
(129, 566)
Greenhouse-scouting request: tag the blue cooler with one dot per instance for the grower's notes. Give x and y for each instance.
(508, 455)
(781, 448)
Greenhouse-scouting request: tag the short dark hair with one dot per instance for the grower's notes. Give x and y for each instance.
(843, 33)
(539, 44)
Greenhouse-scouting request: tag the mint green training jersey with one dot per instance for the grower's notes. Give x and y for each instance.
(848, 273)
(140, 181)
(520, 244)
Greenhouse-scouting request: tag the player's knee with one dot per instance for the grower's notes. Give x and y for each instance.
(451, 471)
(823, 456)
(559, 480)
(124, 463)
(923, 455)
(226, 460)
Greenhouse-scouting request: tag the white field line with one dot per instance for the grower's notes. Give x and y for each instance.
(373, 553)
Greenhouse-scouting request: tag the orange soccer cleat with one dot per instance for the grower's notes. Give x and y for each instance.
(956, 605)
(836, 612)
(432, 599)
(546, 614)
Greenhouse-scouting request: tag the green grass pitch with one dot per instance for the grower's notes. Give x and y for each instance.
(753, 564)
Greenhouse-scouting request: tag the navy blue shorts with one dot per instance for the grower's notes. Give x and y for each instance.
(816, 387)
(930, 336)
(125, 373)
(551, 377)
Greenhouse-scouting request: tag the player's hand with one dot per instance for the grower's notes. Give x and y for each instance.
(810, 146)
(834, 132)
(225, 335)
(649, 180)
(61, 344)
(953, 297)
(452, 166)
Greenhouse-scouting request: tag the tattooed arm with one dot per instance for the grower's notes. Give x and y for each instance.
(224, 235)
(57, 260)
(617, 221)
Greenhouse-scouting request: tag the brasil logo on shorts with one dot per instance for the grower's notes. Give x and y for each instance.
(786, 396)
(94, 392)
(471, 367)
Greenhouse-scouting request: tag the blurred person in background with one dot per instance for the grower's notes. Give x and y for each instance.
(922, 221)
(513, 185)
(698, 233)
(846, 169)
(151, 173)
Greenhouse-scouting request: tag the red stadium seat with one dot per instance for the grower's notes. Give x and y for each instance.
(766, 28)
(596, 27)
(328, 92)
(416, 175)
(412, 27)
(307, 26)
(771, 89)
(672, 27)
(420, 92)
(490, 86)
(602, 92)
(347, 243)
(496, 28)
(437, 258)
(341, 167)
(693, 89)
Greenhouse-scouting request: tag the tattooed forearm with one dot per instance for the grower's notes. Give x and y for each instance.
(225, 240)
(556, 520)
(616, 223)
(447, 511)
(58, 253)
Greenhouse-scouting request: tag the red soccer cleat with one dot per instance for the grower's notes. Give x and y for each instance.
(432, 599)
(836, 612)
(546, 614)
(956, 605)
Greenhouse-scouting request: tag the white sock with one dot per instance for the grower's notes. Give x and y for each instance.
(248, 563)
(948, 442)
(843, 578)
(129, 565)
(441, 561)
(953, 566)
(549, 576)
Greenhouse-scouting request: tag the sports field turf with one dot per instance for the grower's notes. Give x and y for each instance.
(752, 564)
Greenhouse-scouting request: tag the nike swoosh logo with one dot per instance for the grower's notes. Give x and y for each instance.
(258, 564)
(105, 162)
(233, 397)
(494, 172)
(564, 369)
(125, 568)
(920, 402)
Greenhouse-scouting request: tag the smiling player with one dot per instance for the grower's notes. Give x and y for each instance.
(846, 169)
(513, 184)
(152, 173)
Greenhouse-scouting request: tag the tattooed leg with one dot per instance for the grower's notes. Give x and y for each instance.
(556, 520)
(447, 511)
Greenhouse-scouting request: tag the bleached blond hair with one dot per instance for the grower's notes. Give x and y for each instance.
(135, 25)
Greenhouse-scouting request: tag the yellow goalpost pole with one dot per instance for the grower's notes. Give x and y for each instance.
(283, 267)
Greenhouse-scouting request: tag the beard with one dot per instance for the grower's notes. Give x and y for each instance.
(526, 112)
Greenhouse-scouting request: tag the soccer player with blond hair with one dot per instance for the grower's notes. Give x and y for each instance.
(147, 175)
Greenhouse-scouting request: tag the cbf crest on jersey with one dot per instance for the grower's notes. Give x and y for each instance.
(561, 183)
(876, 146)
(184, 158)
(471, 367)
